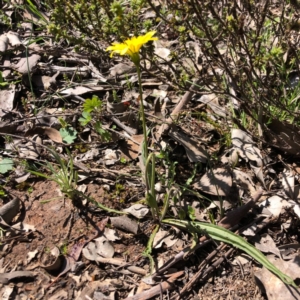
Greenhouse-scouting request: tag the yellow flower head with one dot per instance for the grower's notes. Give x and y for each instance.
(131, 46)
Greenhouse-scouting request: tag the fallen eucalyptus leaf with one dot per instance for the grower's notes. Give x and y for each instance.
(52, 133)
(266, 244)
(274, 287)
(216, 181)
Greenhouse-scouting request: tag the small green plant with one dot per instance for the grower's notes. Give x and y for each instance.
(64, 249)
(119, 188)
(92, 114)
(115, 96)
(92, 105)
(85, 119)
(47, 250)
(65, 175)
(67, 132)
(2, 192)
(123, 160)
(3, 83)
(6, 165)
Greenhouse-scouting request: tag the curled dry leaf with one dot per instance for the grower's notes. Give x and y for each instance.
(250, 231)
(31, 255)
(104, 247)
(9, 210)
(121, 68)
(297, 210)
(80, 90)
(161, 51)
(212, 101)
(31, 150)
(55, 258)
(288, 182)
(131, 148)
(111, 234)
(6, 277)
(111, 157)
(27, 64)
(24, 226)
(6, 292)
(138, 210)
(230, 157)
(7, 98)
(44, 82)
(216, 181)
(164, 237)
(246, 147)
(244, 181)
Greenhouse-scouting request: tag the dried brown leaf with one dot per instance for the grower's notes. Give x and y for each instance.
(52, 133)
(216, 181)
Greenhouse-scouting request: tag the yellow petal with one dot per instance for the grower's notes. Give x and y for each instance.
(133, 45)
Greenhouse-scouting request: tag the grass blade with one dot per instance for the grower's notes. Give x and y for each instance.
(223, 235)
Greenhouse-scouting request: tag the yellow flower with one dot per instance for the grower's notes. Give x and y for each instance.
(132, 46)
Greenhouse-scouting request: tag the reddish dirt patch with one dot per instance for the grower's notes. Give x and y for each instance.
(58, 223)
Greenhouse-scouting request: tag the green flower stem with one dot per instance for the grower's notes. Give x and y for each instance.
(148, 250)
(145, 146)
(148, 160)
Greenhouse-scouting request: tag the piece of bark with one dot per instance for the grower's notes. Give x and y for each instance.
(125, 223)
(9, 210)
(6, 277)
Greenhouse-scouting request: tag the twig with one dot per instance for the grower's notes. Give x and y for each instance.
(128, 129)
(158, 289)
(181, 104)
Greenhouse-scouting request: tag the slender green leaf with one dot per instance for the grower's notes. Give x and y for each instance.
(221, 234)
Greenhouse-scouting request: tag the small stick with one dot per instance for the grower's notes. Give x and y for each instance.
(180, 105)
(158, 289)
